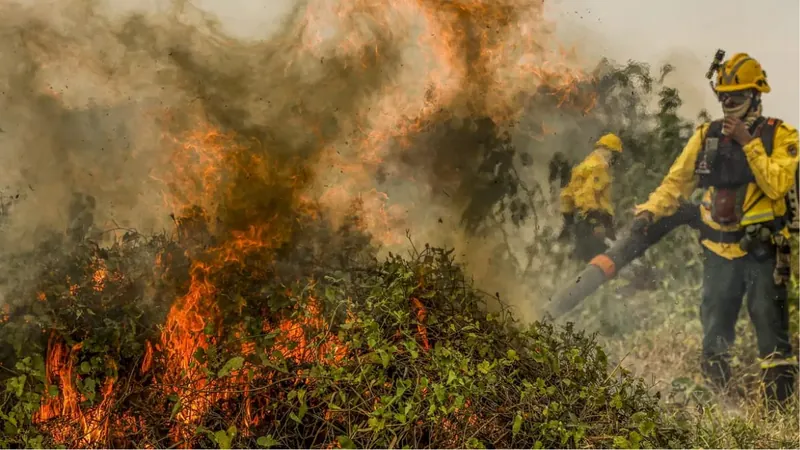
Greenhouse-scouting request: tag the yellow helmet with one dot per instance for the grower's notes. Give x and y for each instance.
(610, 141)
(741, 72)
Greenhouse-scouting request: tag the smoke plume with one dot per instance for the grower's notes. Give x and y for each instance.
(403, 107)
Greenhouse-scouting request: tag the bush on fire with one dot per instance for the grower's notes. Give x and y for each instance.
(401, 353)
(100, 347)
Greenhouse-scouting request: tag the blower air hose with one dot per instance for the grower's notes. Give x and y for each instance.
(606, 265)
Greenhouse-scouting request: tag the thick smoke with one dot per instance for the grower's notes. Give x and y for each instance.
(403, 105)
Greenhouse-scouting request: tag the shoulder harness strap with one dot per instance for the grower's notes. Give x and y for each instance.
(708, 153)
(766, 131)
(714, 130)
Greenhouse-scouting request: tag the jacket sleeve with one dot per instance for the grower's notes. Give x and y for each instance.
(679, 182)
(774, 174)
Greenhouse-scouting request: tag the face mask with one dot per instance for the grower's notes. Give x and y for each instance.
(736, 104)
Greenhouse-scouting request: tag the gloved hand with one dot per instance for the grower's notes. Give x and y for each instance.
(642, 220)
(599, 231)
(602, 224)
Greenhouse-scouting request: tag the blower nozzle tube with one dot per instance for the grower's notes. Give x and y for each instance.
(605, 266)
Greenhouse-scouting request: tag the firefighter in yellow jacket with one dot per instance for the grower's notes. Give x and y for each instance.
(739, 169)
(586, 200)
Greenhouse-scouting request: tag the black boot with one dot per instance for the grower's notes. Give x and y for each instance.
(717, 371)
(779, 383)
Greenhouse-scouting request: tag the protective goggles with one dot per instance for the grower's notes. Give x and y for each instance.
(734, 98)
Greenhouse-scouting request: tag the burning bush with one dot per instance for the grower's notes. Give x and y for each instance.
(267, 319)
(257, 354)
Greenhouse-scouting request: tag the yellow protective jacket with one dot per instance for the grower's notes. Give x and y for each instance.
(764, 199)
(589, 187)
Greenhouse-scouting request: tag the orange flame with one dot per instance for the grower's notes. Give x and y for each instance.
(93, 424)
(471, 58)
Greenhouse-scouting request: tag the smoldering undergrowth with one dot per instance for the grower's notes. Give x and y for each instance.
(257, 150)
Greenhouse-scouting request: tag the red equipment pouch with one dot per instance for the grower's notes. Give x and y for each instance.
(724, 207)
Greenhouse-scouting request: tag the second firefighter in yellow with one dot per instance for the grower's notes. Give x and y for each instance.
(586, 200)
(739, 169)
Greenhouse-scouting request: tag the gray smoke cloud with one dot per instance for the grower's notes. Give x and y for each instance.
(338, 101)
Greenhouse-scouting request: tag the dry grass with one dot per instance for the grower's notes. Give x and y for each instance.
(665, 351)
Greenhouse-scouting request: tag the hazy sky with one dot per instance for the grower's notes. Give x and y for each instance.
(686, 33)
(689, 32)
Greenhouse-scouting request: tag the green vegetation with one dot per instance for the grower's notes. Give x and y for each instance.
(657, 334)
(455, 376)
(280, 348)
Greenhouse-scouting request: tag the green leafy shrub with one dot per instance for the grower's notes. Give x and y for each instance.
(289, 352)
(400, 353)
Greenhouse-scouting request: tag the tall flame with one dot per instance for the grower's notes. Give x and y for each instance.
(236, 200)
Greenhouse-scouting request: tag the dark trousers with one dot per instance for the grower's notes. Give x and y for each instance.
(587, 245)
(725, 283)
